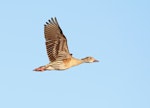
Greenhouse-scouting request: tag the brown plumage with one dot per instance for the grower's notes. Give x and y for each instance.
(57, 49)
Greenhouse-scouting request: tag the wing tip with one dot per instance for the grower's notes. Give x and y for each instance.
(53, 20)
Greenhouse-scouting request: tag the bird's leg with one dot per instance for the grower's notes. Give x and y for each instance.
(40, 69)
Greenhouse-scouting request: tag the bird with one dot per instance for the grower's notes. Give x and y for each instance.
(57, 49)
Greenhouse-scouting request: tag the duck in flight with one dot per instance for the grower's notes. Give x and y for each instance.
(57, 49)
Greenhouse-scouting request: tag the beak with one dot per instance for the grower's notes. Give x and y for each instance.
(95, 61)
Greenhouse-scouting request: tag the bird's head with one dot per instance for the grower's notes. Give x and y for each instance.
(89, 60)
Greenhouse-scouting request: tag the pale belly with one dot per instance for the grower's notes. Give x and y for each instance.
(61, 65)
(56, 66)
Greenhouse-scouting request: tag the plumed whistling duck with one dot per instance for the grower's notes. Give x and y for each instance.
(57, 49)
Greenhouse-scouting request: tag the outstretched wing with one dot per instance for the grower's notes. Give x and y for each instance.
(56, 42)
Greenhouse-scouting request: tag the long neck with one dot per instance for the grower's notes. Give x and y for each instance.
(75, 61)
(84, 60)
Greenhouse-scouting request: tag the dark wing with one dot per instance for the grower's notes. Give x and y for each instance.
(56, 42)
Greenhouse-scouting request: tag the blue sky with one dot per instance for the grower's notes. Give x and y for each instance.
(116, 32)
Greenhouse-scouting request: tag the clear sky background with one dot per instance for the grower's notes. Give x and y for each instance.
(116, 32)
